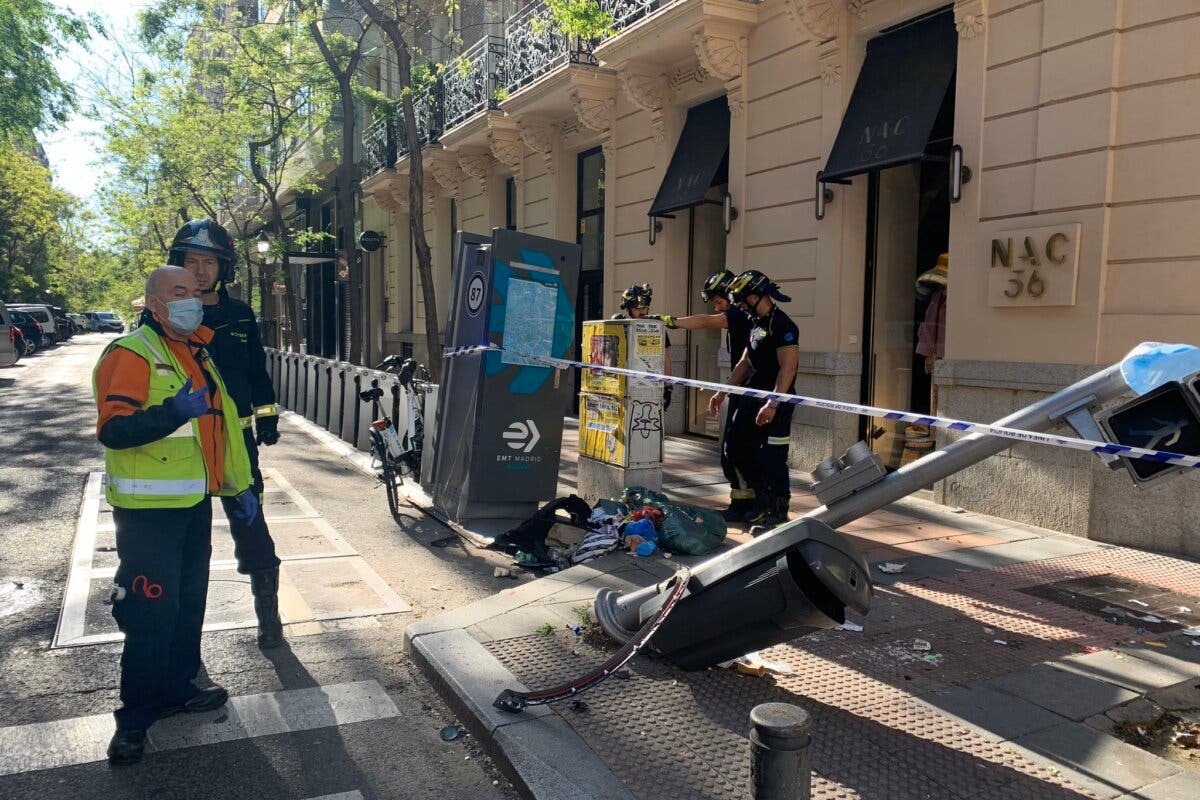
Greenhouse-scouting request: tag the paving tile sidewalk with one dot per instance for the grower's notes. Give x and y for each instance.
(1024, 661)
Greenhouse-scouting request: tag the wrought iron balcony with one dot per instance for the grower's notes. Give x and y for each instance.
(429, 113)
(627, 12)
(471, 83)
(533, 47)
(378, 146)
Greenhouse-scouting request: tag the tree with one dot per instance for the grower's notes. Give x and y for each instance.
(389, 23)
(32, 93)
(31, 213)
(340, 38)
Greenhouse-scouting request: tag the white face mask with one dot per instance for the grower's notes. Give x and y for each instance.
(185, 315)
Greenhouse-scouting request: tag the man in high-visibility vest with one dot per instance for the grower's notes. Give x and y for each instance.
(172, 439)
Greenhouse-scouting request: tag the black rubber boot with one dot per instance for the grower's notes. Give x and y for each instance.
(201, 700)
(265, 587)
(762, 510)
(126, 747)
(737, 510)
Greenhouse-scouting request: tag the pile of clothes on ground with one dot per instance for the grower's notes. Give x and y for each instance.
(568, 531)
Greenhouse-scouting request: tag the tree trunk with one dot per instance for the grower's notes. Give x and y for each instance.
(347, 219)
(416, 186)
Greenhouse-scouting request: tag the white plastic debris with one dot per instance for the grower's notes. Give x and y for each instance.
(501, 572)
(958, 510)
(849, 626)
(1000, 641)
(1148, 618)
(1140, 603)
(891, 567)
(1184, 610)
(921, 646)
(1190, 631)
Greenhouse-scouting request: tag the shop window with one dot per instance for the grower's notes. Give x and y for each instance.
(510, 204)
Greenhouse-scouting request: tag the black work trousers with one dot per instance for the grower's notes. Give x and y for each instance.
(252, 544)
(760, 453)
(739, 487)
(164, 574)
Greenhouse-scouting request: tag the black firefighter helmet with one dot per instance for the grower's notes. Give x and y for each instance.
(637, 296)
(208, 237)
(716, 285)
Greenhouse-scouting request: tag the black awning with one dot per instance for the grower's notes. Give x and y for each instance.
(896, 100)
(696, 164)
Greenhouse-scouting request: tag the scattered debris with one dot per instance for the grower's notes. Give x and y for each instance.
(921, 646)
(1153, 620)
(754, 664)
(502, 572)
(1000, 641)
(444, 541)
(892, 567)
(450, 733)
(1151, 643)
(579, 707)
(849, 626)
(988, 631)
(1091, 648)
(958, 510)
(1190, 631)
(1184, 610)
(1140, 603)
(1138, 712)
(933, 658)
(622, 675)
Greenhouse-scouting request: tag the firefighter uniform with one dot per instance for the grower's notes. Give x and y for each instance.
(737, 339)
(161, 468)
(238, 352)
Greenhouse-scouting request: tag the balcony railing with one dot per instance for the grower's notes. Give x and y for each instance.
(471, 82)
(627, 12)
(491, 70)
(379, 146)
(430, 115)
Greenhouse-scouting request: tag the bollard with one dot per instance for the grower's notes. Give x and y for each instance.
(780, 759)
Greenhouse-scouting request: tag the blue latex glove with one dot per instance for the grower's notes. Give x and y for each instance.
(247, 507)
(189, 404)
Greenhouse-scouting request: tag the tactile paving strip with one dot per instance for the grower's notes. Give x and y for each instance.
(672, 734)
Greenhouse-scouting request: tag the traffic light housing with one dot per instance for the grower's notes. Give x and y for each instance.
(1166, 418)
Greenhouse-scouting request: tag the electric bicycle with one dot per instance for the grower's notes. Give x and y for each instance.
(398, 456)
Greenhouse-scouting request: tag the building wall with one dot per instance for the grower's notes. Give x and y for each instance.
(1067, 117)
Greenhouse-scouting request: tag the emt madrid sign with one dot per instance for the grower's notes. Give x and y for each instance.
(1034, 266)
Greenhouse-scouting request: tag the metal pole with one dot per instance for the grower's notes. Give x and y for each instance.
(619, 615)
(780, 757)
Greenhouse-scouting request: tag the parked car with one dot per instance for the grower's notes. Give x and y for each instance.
(8, 339)
(35, 339)
(110, 322)
(81, 323)
(43, 315)
(64, 322)
(93, 320)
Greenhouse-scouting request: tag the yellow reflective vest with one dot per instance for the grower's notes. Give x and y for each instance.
(171, 472)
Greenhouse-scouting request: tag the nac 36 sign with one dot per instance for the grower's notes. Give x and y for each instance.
(1034, 266)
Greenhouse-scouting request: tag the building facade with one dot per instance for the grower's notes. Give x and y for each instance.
(1044, 152)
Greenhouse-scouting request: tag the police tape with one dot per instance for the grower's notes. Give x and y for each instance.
(961, 426)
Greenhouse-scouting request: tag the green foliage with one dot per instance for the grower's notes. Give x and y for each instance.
(582, 20)
(31, 216)
(583, 614)
(545, 629)
(32, 94)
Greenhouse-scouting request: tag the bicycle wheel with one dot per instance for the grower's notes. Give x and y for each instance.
(391, 484)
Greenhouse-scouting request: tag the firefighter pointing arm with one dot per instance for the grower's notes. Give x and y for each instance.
(172, 439)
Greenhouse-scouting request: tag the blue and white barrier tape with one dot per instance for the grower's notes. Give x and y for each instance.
(1070, 442)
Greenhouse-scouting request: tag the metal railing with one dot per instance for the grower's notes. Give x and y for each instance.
(470, 83)
(493, 69)
(379, 146)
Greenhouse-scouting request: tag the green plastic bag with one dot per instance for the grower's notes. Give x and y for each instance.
(691, 531)
(637, 496)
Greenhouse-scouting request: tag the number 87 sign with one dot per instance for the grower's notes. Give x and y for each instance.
(476, 289)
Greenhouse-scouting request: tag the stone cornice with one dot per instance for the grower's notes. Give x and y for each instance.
(539, 135)
(594, 99)
(443, 166)
(476, 163)
(504, 140)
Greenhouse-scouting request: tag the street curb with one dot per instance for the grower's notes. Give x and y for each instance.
(539, 752)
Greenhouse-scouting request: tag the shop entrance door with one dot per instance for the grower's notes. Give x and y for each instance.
(589, 220)
(705, 348)
(908, 228)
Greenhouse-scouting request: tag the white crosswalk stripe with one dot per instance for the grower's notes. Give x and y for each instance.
(81, 740)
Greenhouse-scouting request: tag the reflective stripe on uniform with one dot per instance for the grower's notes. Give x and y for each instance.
(741, 494)
(266, 411)
(150, 486)
(246, 421)
(779, 440)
